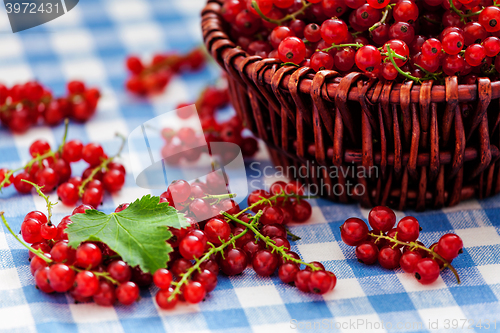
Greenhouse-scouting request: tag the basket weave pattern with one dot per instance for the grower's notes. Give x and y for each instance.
(432, 145)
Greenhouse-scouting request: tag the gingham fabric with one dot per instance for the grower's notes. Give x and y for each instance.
(91, 43)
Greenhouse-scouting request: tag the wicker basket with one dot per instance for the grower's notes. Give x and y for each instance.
(428, 145)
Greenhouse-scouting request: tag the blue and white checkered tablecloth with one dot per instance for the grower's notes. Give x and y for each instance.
(91, 43)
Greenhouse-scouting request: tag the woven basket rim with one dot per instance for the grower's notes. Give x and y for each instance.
(213, 34)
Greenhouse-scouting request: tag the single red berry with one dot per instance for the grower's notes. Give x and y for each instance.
(61, 252)
(264, 262)
(408, 229)
(134, 64)
(192, 247)
(320, 282)
(207, 279)
(20, 185)
(389, 257)
(68, 193)
(48, 231)
(76, 87)
(427, 271)
(217, 231)
(42, 280)
(180, 191)
(381, 219)
(86, 284)
(180, 266)
(88, 256)
(334, 31)
(302, 280)
(193, 292)
(47, 178)
(287, 272)
(37, 262)
(489, 18)
(162, 278)
(72, 151)
(409, 260)
(453, 42)
(368, 58)
(450, 246)
(61, 277)
(405, 11)
(31, 231)
(120, 271)
(42, 246)
(292, 49)
(475, 54)
(379, 4)
(301, 211)
(61, 228)
(367, 253)
(81, 209)
(105, 296)
(113, 180)
(93, 154)
(39, 147)
(234, 262)
(163, 299)
(272, 215)
(353, 231)
(127, 293)
(315, 264)
(256, 196)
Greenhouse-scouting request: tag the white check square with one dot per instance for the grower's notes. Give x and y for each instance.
(10, 279)
(73, 42)
(490, 273)
(128, 10)
(321, 252)
(16, 316)
(258, 296)
(92, 313)
(435, 319)
(479, 236)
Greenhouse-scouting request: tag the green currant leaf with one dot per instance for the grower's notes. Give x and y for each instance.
(138, 234)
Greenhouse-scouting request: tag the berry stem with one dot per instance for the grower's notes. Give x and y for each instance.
(356, 45)
(270, 201)
(101, 166)
(382, 20)
(105, 275)
(415, 245)
(219, 197)
(291, 234)
(269, 242)
(390, 55)
(291, 16)
(38, 253)
(463, 17)
(45, 197)
(65, 135)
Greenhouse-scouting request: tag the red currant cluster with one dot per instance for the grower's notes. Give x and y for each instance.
(152, 78)
(234, 239)
(24, 105)
(228, 242)
(210, 100)
(50, 169)
(92, 271)
(389, 39)
(398, 246)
